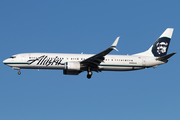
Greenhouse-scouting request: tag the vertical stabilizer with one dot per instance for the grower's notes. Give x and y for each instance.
(160, 47)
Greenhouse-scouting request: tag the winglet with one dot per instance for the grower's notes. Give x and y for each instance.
(115, 43)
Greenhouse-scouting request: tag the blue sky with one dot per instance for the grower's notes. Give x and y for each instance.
(88, 26)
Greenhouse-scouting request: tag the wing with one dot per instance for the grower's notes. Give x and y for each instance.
(95, 60)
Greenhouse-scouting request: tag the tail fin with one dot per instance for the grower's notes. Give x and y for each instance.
(160, 47)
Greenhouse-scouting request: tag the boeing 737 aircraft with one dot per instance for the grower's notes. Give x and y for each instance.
(74, 64)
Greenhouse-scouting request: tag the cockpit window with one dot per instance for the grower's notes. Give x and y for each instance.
(13, 57)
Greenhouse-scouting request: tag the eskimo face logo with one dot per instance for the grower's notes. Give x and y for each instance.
(161, 47)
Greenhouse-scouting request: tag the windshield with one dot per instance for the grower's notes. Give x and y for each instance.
(13, 57)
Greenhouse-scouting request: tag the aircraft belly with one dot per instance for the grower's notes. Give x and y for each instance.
(119, 68)
(39, 66)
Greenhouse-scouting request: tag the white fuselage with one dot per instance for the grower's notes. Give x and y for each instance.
(58, 60)
(74, 64)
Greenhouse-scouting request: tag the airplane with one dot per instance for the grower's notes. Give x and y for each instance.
(74, 64)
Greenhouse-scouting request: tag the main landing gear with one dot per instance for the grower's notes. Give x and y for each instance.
(89, 73)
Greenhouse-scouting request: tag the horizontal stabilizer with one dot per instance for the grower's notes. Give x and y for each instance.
(166, 57)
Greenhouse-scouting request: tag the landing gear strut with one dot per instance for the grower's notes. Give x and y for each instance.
(16, 68)
(89, 73)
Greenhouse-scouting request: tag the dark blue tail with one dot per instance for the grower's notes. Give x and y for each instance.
(160, 47)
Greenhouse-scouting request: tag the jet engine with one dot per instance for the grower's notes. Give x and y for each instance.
(72, 68)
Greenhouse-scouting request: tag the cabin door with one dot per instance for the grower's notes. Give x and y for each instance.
(143, 61)
(23, 58)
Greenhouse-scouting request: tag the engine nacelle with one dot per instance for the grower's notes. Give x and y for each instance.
(71, 72)
(72, 66)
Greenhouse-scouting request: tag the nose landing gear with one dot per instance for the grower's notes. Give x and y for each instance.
(16, 68)
(19, 73)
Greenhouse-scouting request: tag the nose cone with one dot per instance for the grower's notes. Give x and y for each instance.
(5, 61)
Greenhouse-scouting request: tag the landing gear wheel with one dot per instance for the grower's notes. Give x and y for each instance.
(88, 76)
(19, 73)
